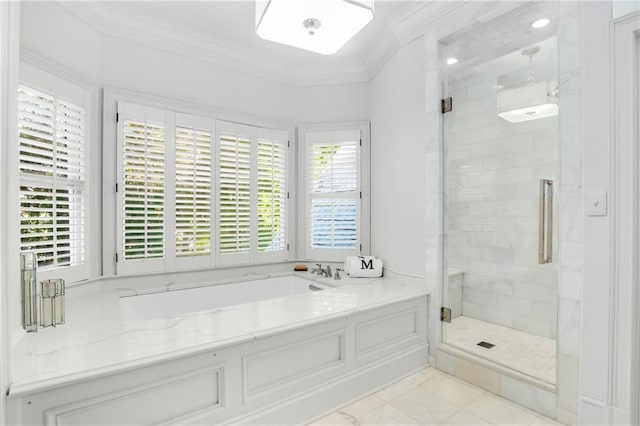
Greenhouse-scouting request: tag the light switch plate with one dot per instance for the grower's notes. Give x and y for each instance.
(596, 203)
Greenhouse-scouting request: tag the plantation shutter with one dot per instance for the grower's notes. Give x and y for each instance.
(333, 179)
(251, 194)
(234, 193)
(52, 180)
(272, 195)
(193, 180)
(142, 228)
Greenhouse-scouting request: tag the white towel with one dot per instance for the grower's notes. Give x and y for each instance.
(363, 266)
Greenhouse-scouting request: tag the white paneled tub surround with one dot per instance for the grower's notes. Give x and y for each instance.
(282, 359)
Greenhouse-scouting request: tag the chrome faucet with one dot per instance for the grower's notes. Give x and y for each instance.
(318, 270)
(337, 275)
(327, 272)
(323, 272)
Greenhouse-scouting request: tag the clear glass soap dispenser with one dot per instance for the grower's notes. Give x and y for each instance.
(52, 302)
(28, 291)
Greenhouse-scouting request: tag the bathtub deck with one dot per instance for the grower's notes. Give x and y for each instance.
(98, 339)
(532, 355)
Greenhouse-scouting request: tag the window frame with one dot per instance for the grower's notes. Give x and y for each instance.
(306, 135)
(78, 92)
(111, 164)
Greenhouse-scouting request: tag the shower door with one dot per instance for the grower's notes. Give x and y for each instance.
(501, 143)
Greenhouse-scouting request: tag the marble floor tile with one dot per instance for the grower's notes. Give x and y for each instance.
(465, 418)
(453, 390)
(430, 397)
(393, 391)
(424, 407)
(363, 406)
(386, 415)
(335, 419)
(499, 411)
(545, 421)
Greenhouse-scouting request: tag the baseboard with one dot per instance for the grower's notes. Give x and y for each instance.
(593, 411)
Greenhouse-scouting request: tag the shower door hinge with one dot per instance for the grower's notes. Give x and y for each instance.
(445, 314)
(117, 117)
(287, 246)
(446, 104)
(288, 144)
(116, 257)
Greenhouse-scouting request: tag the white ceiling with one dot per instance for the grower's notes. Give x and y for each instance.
(230, 26)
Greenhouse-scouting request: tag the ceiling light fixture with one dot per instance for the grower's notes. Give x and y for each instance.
(531, 101)
(540, 23)
(321, 26)
(452, 61)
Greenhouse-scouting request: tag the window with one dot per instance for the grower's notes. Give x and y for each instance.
(186, 200)
(335, 221)
(193, 191)
(52, 181)
(252, 194)
(141, 217)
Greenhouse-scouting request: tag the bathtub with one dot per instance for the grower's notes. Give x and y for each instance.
(203, 298)
(262, 351)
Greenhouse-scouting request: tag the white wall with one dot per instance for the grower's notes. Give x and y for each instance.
(398, 149)
(9, 288)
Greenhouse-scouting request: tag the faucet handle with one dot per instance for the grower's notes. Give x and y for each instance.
(337, 275)
(329, 275)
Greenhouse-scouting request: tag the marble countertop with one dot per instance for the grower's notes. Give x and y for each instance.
(98, 339)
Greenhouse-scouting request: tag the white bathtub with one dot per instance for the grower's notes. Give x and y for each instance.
(203, 298)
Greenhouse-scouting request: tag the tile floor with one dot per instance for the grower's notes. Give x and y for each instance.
(431, 397)
(530, 354)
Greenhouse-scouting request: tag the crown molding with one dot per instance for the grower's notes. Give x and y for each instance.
(178, 40)
(410, 23)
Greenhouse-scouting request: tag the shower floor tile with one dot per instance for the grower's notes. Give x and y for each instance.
(530, 354)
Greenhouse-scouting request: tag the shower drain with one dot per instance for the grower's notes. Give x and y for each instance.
(486, 344)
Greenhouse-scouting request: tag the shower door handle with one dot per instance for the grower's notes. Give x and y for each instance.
(545, 222)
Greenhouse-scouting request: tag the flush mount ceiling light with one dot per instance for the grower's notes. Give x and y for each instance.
(321, 26)
(452, 61)
(540, 23)
(529, 102)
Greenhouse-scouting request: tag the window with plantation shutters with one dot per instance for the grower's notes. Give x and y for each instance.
(52, 179)
(194, 193)
(272, 195)
(334, 193)
(142, 217)
(193, 190)
(252, 194)
(234, 205)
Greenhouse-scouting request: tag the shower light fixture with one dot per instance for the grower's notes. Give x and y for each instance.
(321, 26)
(531, 101)
(540, 23)
(452, 61)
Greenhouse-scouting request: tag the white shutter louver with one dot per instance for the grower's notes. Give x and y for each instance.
(234, 194)
(333, 179)
(193, 191)
(52, 178)
(272, 197)
(143, 190)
